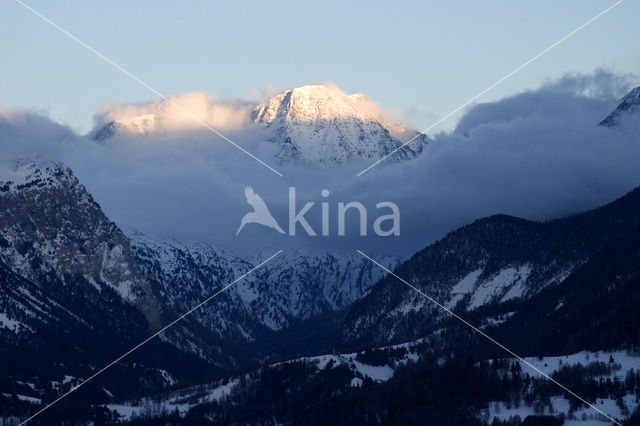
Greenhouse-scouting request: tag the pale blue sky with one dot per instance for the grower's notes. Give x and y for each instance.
(425, 58)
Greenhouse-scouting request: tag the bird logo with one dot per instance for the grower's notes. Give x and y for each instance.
(260, 213)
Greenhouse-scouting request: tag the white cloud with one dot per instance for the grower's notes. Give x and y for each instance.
(177, 113)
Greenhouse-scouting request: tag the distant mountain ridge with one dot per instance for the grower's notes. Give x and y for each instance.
(294, 286)
(311, 124)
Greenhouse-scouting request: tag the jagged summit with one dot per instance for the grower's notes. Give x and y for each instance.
(323, 125)
(630, 104)
(312, 103)
(323, 103)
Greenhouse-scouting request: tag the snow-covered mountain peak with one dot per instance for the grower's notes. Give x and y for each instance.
(313, 103)
(630, 104)
(314, 124)
(323, 125)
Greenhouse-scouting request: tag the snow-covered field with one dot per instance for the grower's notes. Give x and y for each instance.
(548, 365)
(181, 400)
(585, 415)
(378, 373)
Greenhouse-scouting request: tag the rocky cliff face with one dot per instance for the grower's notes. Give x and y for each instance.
(72, 297)
(50, 225)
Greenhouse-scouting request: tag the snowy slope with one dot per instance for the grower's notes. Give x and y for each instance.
(294, 286)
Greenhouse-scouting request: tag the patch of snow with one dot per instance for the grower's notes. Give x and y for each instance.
(493, 321)
(167, 377)
(499, 284)
(31, 399)
(377, 373)
(468, 283)
(463, 287)
(516, 291)
(223, 390)
(124, 410)
(9, 323)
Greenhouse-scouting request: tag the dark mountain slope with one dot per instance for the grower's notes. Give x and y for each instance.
(72, 299)
(497, 260)
(595, 308)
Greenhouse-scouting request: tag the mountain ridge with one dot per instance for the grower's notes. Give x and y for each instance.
(318, 125)
(491, 261)
(295, 286)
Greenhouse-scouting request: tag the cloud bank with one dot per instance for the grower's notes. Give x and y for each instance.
(538, 155)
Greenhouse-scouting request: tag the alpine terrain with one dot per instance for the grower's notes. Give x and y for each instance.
(318, 125)
(504, 321)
